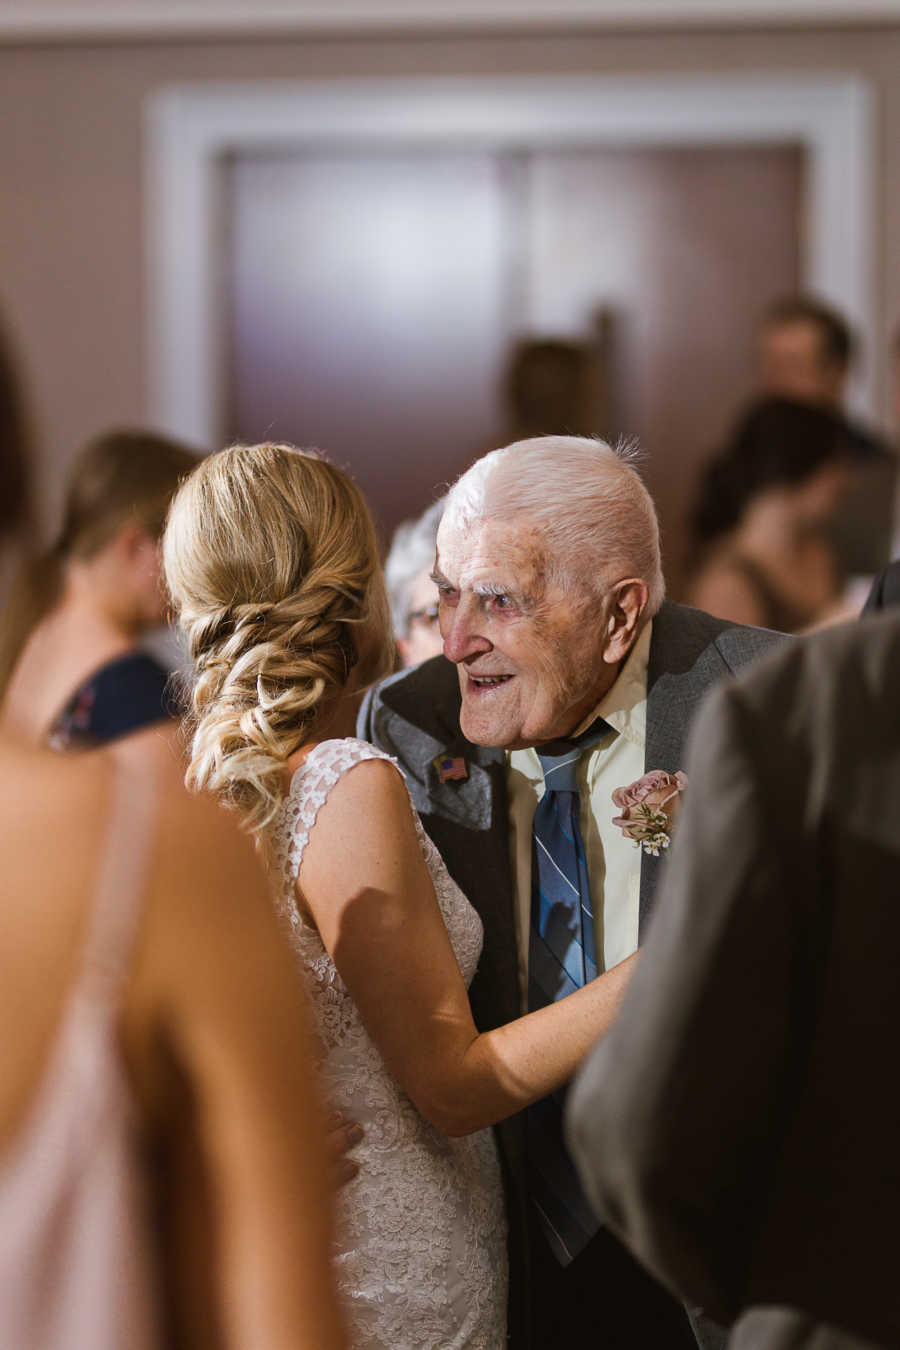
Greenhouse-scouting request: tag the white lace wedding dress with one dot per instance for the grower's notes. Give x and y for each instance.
(422, 1233)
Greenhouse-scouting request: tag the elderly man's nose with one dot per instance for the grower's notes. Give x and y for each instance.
(461, 636)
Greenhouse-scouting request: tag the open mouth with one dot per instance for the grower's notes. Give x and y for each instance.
(488, 681)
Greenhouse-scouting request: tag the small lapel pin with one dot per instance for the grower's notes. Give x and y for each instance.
(450, 770)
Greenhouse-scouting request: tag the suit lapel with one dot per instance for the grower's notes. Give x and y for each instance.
(684, 662)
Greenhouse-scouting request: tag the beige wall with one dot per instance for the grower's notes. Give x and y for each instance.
(71, 208)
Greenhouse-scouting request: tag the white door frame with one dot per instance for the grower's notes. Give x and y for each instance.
(190, 128)
(73, 20)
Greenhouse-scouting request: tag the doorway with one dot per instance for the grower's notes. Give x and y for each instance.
(377, 302)
(825, 123)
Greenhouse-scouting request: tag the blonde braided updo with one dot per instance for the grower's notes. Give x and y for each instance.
(272, 564)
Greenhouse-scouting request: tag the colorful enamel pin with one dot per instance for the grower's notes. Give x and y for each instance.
(450, 769)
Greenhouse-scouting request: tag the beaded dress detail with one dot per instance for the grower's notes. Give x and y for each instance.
(422, 1260)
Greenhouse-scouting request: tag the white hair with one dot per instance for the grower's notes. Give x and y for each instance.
(584, 497)
(412, 550)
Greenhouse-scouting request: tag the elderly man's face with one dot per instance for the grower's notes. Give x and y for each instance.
(533, 657)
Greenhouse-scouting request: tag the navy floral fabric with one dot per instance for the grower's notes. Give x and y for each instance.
(123, 696)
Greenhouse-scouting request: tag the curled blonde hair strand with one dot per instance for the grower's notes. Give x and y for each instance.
(272, 564)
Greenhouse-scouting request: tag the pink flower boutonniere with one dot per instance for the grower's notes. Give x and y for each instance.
(650, 808)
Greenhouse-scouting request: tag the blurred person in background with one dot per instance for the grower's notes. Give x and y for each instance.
(761, 525)
(163, 1177)
(411, 592)
(885, 590)
(75, 674)
(737, 1126)
(806, 351)
(546, 388)
(164, 1174)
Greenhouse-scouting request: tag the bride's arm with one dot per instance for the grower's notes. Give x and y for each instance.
(365, 884)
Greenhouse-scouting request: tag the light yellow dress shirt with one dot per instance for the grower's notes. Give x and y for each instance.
(614, 862)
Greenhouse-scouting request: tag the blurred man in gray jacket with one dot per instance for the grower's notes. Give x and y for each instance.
(738, 1127)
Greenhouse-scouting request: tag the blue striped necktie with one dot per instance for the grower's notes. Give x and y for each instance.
(561, 958)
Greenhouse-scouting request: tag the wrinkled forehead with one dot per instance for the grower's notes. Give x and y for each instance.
(477, 553)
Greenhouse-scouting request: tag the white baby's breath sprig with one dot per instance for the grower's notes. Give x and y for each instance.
(654, 831)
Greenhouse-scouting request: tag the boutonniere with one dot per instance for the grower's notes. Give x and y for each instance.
(650, 808)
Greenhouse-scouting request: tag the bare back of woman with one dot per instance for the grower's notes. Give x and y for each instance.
(162, 1160)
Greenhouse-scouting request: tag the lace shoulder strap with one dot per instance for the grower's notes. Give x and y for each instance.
(324, 766)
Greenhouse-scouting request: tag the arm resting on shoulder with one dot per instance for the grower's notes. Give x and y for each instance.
(365, 885)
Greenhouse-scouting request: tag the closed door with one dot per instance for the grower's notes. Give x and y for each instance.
(374, 300)
(369, 312)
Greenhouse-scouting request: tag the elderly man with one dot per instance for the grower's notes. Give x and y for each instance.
(572, 678)
(737, 1126)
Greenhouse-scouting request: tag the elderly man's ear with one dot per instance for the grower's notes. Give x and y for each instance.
(624, 607)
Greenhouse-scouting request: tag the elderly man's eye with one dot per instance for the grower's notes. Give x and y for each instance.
(447, 594)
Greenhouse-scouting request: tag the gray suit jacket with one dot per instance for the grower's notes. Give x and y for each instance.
(415, 717)
(739, 1125)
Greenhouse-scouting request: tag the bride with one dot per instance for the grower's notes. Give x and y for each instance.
(271, 560)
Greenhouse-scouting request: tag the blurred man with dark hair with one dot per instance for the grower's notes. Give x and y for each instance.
(806, 352)
(806, 349)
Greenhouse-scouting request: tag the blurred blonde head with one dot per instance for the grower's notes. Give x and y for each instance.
(271, 561)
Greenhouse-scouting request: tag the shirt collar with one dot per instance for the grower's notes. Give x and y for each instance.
(624, 707)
